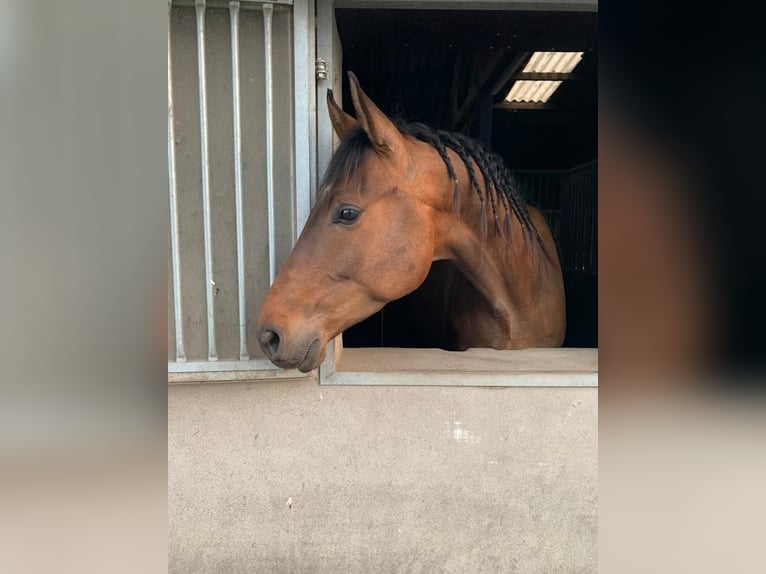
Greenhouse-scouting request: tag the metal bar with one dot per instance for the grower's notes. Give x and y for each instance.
(540, 378)
(566, 222)
(520, 5)
(305, 108)
(229, 377)
(245, 4)
(325, 14)
(224, 365)
(518, 368)
(231, 371)
(174, 238)
(268, 9)
(209, 282)
(234, 13)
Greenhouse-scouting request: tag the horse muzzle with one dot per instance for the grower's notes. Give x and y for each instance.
(304, 352)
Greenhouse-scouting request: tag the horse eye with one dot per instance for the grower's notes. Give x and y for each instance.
(348, 215)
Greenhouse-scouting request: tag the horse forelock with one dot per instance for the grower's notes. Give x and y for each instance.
(344, 170)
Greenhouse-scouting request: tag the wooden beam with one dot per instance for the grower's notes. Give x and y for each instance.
(532, 106)
(485, 119)
(479, 79)
(452, 108)
(510, 71)
(551, 76)
(545, 117)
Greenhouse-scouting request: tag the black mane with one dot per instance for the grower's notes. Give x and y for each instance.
(499, 185)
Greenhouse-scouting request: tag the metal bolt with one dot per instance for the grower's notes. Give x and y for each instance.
(321, 69)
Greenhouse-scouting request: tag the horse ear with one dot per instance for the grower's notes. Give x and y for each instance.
(342, 123)
(383, 134)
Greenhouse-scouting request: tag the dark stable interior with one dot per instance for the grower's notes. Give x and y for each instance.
(452, 70)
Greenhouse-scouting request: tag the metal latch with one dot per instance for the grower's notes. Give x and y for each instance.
(321, 69)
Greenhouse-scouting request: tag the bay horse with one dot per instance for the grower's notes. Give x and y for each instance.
(394, 200)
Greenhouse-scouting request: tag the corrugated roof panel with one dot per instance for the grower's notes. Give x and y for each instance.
(540, 91)
(537, 91)
(553, 62)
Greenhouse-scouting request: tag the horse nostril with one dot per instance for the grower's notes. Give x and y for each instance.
(270, 342)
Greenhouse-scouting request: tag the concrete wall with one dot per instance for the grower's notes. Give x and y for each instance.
(296, 477)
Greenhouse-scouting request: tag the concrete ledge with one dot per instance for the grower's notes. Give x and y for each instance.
(188, 372)
(562, 367)
(474, 367)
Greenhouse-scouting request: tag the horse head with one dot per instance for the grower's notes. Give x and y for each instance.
(368, 240)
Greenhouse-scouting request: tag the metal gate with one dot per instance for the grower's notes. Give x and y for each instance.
(579, 218)
(568, 199)
(240, 161)
(543, 187)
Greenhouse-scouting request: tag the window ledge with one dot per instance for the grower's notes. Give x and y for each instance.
(474, 367)
(229, 372)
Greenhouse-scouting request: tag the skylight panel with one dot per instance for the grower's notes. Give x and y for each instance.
(540, 91)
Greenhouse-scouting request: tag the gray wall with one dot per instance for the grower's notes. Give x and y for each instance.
(221, 153)
(381, 479)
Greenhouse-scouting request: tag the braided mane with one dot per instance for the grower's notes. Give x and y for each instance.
(499, 188)
(499, 185)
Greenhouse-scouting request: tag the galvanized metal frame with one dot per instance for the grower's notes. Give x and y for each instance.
(226, 371)
(212, 352)
(555, 371)
(174, 236)
(304, 109)
(325, 15)
(237, 128)
(212, 370)
(268, 10)
(244, 4)
(531, 5)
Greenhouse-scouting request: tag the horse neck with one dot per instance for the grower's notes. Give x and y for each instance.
(504, 269)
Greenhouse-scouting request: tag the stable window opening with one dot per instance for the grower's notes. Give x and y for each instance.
(457, 70)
